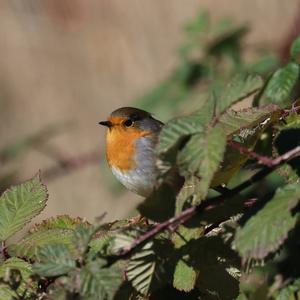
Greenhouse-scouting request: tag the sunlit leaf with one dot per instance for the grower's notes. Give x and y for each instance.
(29, 246)
(201, 157)
(179, 128)
(184, 277)
(59, 222)
(21, 266)
(20, 204)
(239, 88)
(140, 269)
(233, 121)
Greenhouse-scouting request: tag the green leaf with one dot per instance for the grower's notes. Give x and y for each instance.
(184, 234)
(141, 267)
(295, 48)
(54, 260)
(198, 24)
(103, 240)
(20, 204)
(233, 121)
(239, 88)
(6, 293)
(179, 128)
(281, 84)
(59, 222)
(21, 266)
(99, 282)
(201, 157)
(175, 130)
(289, 292)
(30, 245)
(267, 230)
(83, 236)
(245, 127)
(184, 277)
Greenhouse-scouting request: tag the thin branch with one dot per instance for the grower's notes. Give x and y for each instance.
(209, 203)
(264, 160)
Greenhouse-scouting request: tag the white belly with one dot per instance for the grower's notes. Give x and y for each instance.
(139, 181)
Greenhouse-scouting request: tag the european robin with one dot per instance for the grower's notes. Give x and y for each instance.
(130, 148)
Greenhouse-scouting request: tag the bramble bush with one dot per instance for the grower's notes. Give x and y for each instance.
(229, 231)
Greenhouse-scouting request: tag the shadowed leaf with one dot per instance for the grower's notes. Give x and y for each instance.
(99, 282)
(268, 229)
(54, 260)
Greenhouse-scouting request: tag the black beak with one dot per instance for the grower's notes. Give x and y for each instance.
(105, 123)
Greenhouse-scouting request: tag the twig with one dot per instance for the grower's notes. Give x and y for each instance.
(181, 218)
(267, 161)
(209, 203)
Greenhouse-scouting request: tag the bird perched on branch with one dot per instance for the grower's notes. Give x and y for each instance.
(130, 148)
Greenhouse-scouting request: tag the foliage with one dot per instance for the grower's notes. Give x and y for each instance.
(227, 228)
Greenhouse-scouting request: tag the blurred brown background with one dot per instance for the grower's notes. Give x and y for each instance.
(74, 61)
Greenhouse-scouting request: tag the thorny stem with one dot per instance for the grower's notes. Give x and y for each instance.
(210, 203)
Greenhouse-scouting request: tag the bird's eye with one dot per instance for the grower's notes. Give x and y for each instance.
(128, 123)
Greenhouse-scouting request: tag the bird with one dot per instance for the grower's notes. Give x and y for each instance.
(131, 137)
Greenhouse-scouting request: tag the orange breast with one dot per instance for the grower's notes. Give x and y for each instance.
(120, 147)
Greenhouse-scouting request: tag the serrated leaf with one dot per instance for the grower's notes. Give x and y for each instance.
(100, 243)
(19, 204)
(244, 127)
(184, 277)
(281, 84)
(23, 267)
(54, 260)
(178, 129)
(232, 121)
(140, 269)
(83, 236)
(239, 88)
(62, 222)
(295, 48)
(30, 245)
(99, 282)
(201, 157)
(267, 230)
